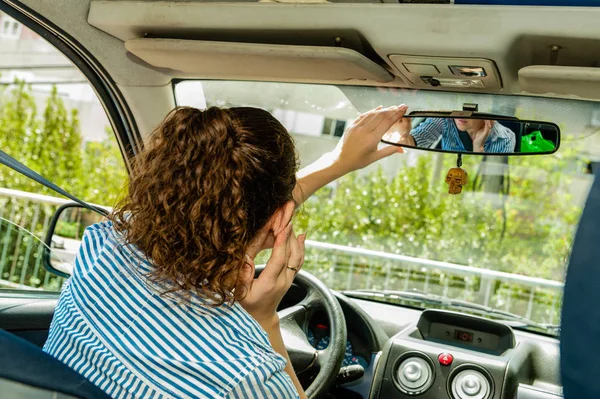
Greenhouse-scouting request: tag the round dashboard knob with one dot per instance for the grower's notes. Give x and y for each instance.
(470, 384)
(412, 371)
(414, 375)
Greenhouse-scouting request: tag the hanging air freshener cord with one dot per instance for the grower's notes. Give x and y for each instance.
(459, 161)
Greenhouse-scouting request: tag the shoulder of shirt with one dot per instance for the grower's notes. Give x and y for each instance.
(99, 230)
(502, 131)
(94, 240)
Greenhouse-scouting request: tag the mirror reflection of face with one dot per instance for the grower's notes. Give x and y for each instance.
(466, 125)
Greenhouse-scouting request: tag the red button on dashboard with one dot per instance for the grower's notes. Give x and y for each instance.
(445, 359)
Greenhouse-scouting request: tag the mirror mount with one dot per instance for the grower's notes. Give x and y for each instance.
(470, 114)
(470, 107)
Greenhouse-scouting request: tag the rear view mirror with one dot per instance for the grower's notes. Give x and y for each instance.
(64, 236)
(467, 132)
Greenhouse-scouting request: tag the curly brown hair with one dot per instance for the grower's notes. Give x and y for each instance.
(200, 190)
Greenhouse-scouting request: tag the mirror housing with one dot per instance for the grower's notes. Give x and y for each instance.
(64, 234)
(470, 132)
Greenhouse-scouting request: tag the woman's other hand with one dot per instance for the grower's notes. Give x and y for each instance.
(358, 147)
(264, 293)
(481, 136)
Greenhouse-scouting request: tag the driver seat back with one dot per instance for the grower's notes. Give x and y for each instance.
(580, 323)
(28, 372)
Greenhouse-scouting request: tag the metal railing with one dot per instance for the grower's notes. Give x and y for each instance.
(20, 254)
(341, 267)
(349, 268)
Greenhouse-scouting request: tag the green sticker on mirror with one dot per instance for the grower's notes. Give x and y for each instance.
(535, 142)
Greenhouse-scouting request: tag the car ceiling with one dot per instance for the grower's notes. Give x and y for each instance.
(510, 37)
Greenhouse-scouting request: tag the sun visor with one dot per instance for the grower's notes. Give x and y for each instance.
(582, 82)
(255, 61)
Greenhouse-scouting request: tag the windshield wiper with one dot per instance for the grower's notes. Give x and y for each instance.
(514, 320)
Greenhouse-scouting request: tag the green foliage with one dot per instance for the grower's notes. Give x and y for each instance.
(67, 229)
(529, 231)
(104, 171)
(52, 144)
(411, 214)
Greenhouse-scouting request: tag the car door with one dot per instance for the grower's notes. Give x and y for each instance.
(62, 116)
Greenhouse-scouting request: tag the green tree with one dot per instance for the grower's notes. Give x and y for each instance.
(529, 231)
(105, 175)
(59, 150)
(52, 145)
(19, 128)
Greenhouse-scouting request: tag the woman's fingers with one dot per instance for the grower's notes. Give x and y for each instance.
(389, 119)
(303, 248)
(296, 255)
(278, 260)
(387, 151)
(367, 118)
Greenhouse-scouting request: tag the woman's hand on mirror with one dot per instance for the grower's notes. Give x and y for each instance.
(264, 293)
(358, 147)
(481, 136)
(399, 133)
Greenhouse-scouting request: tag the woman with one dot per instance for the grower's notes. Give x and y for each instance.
(163, 301)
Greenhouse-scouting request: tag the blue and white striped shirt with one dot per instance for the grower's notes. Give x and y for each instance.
(112, 327)
(426, 134)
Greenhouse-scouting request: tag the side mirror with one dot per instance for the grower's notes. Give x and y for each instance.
(64, 235)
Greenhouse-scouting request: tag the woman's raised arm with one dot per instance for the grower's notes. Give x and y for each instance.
(357, 148)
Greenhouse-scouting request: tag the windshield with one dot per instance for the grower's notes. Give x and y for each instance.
(503, 243)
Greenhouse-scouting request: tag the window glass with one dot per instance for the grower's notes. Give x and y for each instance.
(11, 29)
(52, 121)
(504, 242)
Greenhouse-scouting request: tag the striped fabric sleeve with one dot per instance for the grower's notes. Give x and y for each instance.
(428, 132)
(265, 381)
(504, 140)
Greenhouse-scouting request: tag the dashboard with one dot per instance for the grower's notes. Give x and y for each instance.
(440, 354)
(411, 353)
(318, 337)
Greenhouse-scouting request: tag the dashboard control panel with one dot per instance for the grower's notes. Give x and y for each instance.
(446, 355)
(464, 337)
(466, 331)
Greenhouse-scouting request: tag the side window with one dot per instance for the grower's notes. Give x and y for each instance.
(52, 121)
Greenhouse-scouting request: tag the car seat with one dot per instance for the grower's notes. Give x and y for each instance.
(28, 372)
(580, 323)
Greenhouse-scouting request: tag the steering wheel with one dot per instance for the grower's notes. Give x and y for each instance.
(294, 321)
